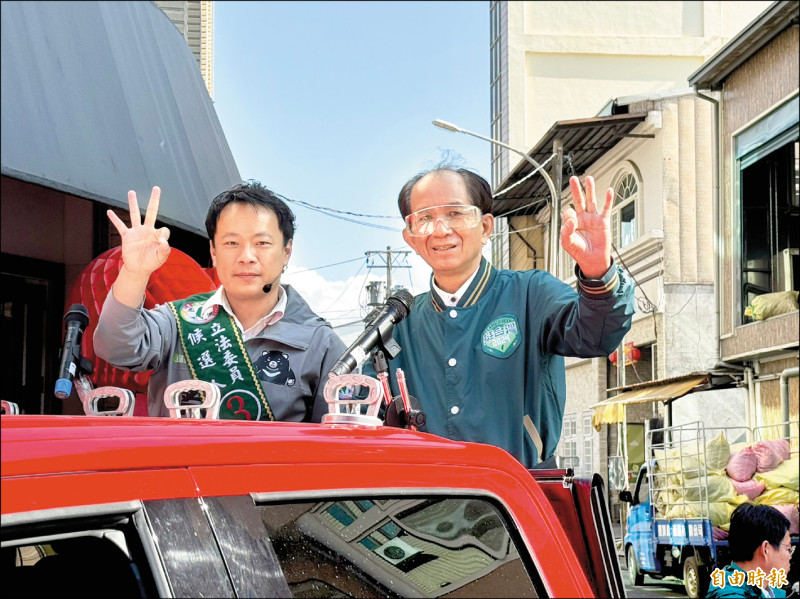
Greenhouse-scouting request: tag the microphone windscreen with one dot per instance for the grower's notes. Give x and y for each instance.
(402, 301)
(78, 312)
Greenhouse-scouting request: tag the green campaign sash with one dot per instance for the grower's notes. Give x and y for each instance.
(214, 351)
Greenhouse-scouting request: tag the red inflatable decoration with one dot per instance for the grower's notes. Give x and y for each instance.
(180, 277)
(630, 352)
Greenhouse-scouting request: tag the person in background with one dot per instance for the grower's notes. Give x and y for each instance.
(760, 549)
(257, 339)
(483, 350)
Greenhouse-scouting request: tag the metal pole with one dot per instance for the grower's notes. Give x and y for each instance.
(785, 415)
(388, 271)
(751, 400)
(555, 207)
(555, 204)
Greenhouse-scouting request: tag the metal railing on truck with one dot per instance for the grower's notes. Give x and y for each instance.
(678, 477)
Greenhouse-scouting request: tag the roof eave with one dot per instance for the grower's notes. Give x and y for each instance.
(762, 30)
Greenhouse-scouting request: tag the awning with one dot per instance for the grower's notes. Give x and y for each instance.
(612, 410)
(584, 142)
(102, 97)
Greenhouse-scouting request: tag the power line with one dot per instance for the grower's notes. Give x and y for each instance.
(351, 220)
(333, 303)
(334, 213)
(389, 262)
(326, 266)
(326, 209)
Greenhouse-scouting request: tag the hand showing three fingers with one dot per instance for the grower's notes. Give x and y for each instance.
(586, 230)
(144, 248)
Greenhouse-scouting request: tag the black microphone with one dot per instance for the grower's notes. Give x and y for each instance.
(75, 322)
(268, 287)
(378, 332)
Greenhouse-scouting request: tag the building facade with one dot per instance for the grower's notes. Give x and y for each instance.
(567, 77)
(755, 79)
(73, 143)
(195, 22)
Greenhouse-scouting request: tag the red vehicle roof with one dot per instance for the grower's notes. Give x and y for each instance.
(61, 444)
(63, 461)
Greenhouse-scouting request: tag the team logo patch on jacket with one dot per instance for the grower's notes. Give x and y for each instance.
(501, 336)
(273, 367)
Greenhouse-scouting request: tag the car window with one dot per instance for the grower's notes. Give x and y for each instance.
(81, 557)
(642, 490)
(371, 547)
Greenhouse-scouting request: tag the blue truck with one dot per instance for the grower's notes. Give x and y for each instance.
(674, 526)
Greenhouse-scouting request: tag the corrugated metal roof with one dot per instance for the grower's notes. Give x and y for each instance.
(585, 140)
(778, 17)
(102, 97)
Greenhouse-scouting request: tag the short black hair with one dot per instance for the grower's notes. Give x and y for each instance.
(258, 196)
(478, 189)
(751, 525)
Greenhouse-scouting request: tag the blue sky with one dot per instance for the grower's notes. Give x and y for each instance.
(331, 103)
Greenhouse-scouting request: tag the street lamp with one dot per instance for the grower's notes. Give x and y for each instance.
(555, 204)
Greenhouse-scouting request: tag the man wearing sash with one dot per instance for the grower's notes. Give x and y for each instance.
(258, 340)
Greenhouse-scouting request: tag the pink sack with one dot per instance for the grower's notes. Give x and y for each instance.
(790, 510)
(719, 534)
(742, 464)
(752, 488)
(771, 453)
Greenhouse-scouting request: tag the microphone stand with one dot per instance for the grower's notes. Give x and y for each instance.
(399, 410)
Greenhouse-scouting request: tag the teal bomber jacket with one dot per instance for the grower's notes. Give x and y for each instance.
(491, 369)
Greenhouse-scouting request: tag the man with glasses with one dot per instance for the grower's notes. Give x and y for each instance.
(760, 549)
(483, 349)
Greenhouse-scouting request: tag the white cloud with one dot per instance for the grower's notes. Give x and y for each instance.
(345, 301)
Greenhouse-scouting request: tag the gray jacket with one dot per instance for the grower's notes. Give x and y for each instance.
(305, 344)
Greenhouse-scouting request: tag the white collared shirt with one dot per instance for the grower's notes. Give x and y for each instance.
(221, 299)
(452, 299)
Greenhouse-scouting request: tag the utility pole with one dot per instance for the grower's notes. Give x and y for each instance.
(391, 259)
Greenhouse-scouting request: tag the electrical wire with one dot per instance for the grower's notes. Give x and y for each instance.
(531, 205)
(493, 235)
(322, 312)
(326, 209)
(295, 272)
(351, 220)
(334, 213)
(525, 178)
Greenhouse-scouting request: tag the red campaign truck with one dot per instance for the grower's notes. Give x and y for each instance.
(148, 507)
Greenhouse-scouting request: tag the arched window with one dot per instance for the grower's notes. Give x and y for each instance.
(624, 226)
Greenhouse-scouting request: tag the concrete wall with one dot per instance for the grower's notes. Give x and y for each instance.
(672, 260)
(749, 93)
(47, 225)
(715, 408)
(566, 60)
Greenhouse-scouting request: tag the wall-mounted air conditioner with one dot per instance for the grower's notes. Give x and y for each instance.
(783, 269)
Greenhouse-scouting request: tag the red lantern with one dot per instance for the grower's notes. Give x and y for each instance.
(632, 354)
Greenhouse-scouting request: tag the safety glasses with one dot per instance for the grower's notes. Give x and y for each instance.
(454, 216)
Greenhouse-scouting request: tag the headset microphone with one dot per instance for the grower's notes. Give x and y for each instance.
(268, 287)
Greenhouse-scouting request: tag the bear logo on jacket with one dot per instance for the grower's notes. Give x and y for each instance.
(273, 367)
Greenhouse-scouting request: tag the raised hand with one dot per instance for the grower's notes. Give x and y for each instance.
(144, 248)
(586, 232)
